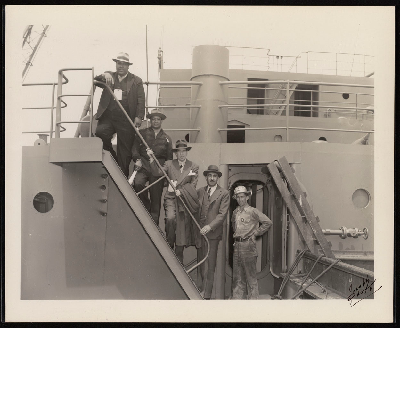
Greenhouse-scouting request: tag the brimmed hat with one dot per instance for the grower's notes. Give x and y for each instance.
(123, 57)
(181, 144)
(212, 168)
(241, 189)
(154, 113)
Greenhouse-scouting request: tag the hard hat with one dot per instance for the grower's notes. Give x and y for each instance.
(241, 189)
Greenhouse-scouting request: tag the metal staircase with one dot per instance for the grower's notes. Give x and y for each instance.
(299, 207)
(280, 99)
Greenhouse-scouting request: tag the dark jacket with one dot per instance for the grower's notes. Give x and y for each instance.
(216, 212)
(136, 97)
(161, 146)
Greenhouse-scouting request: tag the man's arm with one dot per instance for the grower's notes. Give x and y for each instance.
(105, 77)
(195, 178)
(140, 101)
(265, 222)
(170, 153)
(222, 212)
(136, 148)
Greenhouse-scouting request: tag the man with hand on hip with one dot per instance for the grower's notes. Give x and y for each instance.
(214, 206)
(246, 222)
(128, 89)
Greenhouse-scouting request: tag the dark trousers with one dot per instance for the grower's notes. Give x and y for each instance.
(170, 224)
(170, 219)
(116, 121)
(154, 204)
(205, 276)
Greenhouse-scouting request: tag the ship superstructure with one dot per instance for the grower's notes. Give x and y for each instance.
(301, 141)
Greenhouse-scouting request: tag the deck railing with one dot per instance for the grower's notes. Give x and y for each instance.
(287, 88)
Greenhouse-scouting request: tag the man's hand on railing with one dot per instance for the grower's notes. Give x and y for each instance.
(178, 192)
(138, 122)
(138, 164)
(150, 153)
(205, 230)
(195, 169)
(109, 79)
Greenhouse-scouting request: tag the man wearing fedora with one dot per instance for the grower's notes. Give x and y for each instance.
(128, 89)
(246, 222)
(214, 206)
(180, 230)
(161, 144)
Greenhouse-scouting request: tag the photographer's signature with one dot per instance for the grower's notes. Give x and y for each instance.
(363, 289)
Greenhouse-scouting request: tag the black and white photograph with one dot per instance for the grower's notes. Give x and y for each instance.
(159, 156)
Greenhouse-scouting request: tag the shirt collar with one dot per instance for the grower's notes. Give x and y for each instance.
(181, 163)
(120, 79)
(213, 188)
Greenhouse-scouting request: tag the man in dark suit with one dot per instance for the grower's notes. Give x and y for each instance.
(161, 144)
(214, 206)
(129, 91)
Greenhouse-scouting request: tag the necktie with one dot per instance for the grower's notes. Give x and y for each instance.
(181, 168)
(209, 192)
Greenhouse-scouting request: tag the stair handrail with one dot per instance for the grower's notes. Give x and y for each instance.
(60, 95)
(104, 85)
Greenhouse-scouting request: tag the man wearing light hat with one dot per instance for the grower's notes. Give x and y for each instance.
(161, 144)
(246, 222)
(128, 89)
(214, 205)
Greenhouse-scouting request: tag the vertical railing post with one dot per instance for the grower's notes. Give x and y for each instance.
(312, 108)
(287, 111)
(307, 62)
(91, 105)
(58, 109)
(336, 63)
(356, 104)
(364, 64)
(52, 112)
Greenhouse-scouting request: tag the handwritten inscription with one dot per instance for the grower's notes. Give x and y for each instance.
(362, 291)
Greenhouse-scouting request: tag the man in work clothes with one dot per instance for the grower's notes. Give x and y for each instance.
(129, 91)
(179, 227)
(245, 221)
(161, 144)
(214, 206)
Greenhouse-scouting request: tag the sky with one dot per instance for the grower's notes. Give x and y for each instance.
(90, 36)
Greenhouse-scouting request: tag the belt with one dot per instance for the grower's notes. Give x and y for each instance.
(239, 239)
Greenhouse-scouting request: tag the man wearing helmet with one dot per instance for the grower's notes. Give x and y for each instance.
(246, 222)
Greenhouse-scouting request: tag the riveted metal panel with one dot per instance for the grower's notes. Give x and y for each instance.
(90, 245)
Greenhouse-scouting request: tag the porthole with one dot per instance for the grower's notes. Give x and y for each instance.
(361, 198)
(43, 202)
(345, 96)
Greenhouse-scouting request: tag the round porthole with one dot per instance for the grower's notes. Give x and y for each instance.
(345, 96)
(43, 202)
(361, 198)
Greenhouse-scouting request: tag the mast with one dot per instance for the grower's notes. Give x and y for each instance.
(27, 40)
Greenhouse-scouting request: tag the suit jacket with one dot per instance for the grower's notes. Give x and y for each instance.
(161, 146)
(172, 169)
(216, 211)
(136, 97)
(186, 231)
